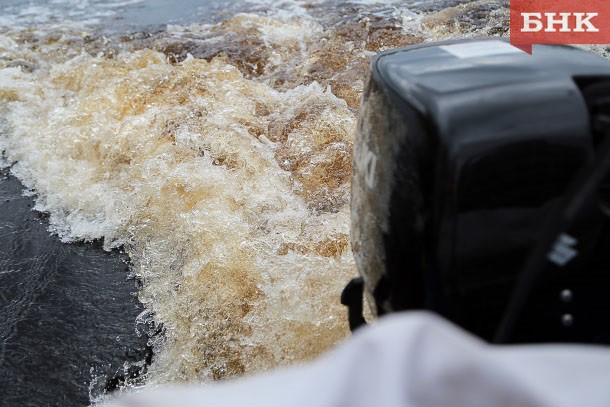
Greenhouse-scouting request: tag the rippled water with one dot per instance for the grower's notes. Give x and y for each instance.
(66, 312)
(213, 143)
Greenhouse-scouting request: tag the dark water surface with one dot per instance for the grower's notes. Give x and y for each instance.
(115, 16)
(67, 311)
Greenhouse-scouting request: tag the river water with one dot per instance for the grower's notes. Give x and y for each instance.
(211, 141)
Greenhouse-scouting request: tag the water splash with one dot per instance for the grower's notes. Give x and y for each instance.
(218, 155)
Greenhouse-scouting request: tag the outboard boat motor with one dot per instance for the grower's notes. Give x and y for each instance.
(481, 190)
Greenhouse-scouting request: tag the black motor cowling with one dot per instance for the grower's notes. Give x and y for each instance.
(464, 151)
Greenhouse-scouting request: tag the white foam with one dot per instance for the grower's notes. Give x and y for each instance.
(228, 186)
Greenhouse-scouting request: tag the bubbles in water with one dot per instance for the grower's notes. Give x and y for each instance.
(219, 156)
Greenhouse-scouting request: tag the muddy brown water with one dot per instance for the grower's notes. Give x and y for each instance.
(209, 141)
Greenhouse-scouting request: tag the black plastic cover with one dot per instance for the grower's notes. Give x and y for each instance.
(463, 148)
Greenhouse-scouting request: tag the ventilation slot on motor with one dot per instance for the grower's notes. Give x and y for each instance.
(596, 92)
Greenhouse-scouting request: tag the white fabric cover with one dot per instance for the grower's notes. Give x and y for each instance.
(413, 359)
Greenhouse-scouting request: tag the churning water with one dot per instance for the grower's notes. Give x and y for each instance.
(212, 142)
